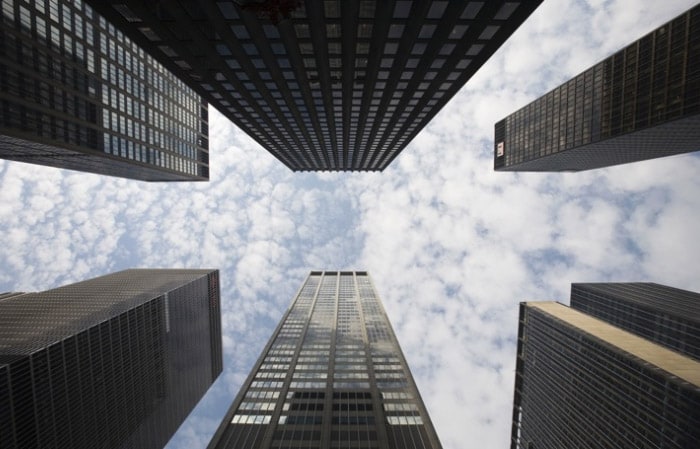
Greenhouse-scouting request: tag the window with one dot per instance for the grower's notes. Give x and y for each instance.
(364, 30)
(437, 9)
(426, 31)
(302, 31)
(418, 49)
(251, 419)
(395, 31)
(471, 10)
(223, 50)
(240, 31)
(402, 9)
(474, 50)
(405, 420)
(489, 32)
(332, 9)
(447, 49)
(506, 10)
(250, 49)
(366, 9)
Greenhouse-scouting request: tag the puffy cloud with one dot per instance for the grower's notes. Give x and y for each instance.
(448, 241)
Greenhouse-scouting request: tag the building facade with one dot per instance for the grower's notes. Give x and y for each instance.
(76, 93)
(331, 376)
(643, 102)
(665, 315)
(582, 382)
(116, 361)
(323, 85)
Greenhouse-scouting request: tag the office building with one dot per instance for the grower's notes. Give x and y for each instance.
(641, 103)
(664, 315)
(331, 376)
(76, 93)
(323, 85)
(583, 382)
(117, 361)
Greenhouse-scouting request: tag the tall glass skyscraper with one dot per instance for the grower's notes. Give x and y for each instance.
(76, 93)
(643, 102)
(331, 376)
(117, 361)
(323, 85)
(583, 382)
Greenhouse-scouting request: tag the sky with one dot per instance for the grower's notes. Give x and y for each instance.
(452, 246)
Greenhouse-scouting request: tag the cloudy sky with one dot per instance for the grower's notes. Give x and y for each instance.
(452, 246)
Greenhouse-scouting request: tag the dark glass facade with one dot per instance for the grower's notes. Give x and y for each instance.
(331, 376)
(117, 361)
(77, 94)
(581, 382)
(641, 103)
(665, 315)
(323, 85)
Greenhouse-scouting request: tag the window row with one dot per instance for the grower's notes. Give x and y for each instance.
(251, 419)
(405, 420)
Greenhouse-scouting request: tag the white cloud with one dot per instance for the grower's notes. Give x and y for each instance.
(447, 241)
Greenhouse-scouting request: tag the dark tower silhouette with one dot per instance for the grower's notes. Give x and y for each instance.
(117, 361)
(641, 103)
(591, 376)
(323, 85)
(78, 94)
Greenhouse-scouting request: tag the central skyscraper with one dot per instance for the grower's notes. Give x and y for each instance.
(117, 361)
(331, 376)
(323, 85)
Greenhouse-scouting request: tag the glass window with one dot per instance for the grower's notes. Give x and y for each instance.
(458, 31)
(474, 50)
(426, 31)
(471, 10)
(251, 49)
(489, 32)
(367, 9)
(240, 31)
(506, 10)
(463, 63)
(402, 9)
(364, 30)
(277, 48)
(437, 9)
(228, 10)
(396, 31)
(332, 9)
(302, 31)
(223, 50)
(334, 48)
(418, 48)
(386, 62)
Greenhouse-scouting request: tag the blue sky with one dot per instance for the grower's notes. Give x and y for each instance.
(452, 246)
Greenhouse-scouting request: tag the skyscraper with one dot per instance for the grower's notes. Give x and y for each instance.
(323, 85)
(665, 315)
(78, 94)
(116, 361)
(332, 375)
(643, 102)
(583, 382)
